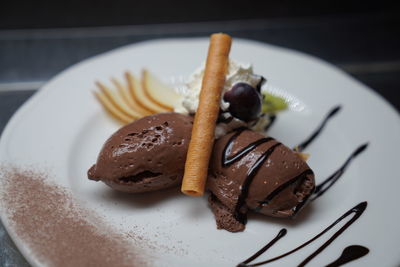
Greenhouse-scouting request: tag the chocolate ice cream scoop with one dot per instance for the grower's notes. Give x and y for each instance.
(147, 155)
(249, 171)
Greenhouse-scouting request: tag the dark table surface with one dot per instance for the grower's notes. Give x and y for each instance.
(365, 46)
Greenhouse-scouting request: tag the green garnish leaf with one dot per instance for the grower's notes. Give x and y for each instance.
(272, 103)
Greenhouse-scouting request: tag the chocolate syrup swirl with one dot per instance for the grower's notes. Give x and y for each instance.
(251, 173)
(283, 186)
(314, 135)
(349, 254)
(228, 160)
(281, 234)
(331, 180)
(272, 119)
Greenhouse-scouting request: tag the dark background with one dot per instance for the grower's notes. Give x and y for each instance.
(38, 39)
(50, 14)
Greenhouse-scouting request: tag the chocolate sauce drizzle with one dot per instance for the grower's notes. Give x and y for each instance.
(228, 159)
(272, 119)
(251, 173)
(314, 135)
(331, 180)
(282, 187)
(281, 234)
(349, 254)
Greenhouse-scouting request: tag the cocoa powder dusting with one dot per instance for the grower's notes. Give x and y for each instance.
(56, 229)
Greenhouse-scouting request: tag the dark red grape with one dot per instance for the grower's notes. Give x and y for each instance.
(244, 101)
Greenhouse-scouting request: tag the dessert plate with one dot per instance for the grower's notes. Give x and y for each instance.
(62, 128)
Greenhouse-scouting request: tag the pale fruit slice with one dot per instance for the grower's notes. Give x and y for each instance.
(139, 96)
(117, 102)
(111, 109)
(128, 102)
(158, 92)
(123, 92)
(126, 96)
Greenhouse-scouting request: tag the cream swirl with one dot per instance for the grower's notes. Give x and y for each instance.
(237, 72)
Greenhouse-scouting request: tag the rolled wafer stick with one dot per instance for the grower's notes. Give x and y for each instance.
(202, 140)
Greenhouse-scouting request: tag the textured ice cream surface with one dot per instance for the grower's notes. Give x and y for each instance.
(224, 216)
(146, 155)
(249, 171)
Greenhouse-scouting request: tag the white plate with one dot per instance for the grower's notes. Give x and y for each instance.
(63, 127)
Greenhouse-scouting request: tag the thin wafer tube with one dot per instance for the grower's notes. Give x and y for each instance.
(202, 140)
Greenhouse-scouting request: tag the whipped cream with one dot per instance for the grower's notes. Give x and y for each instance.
(237, 72)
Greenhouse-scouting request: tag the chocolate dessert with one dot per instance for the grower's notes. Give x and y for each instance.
(146, 155)
(249, 171)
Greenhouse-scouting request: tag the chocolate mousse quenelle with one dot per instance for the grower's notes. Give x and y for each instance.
(249, 171)
(145, 155)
